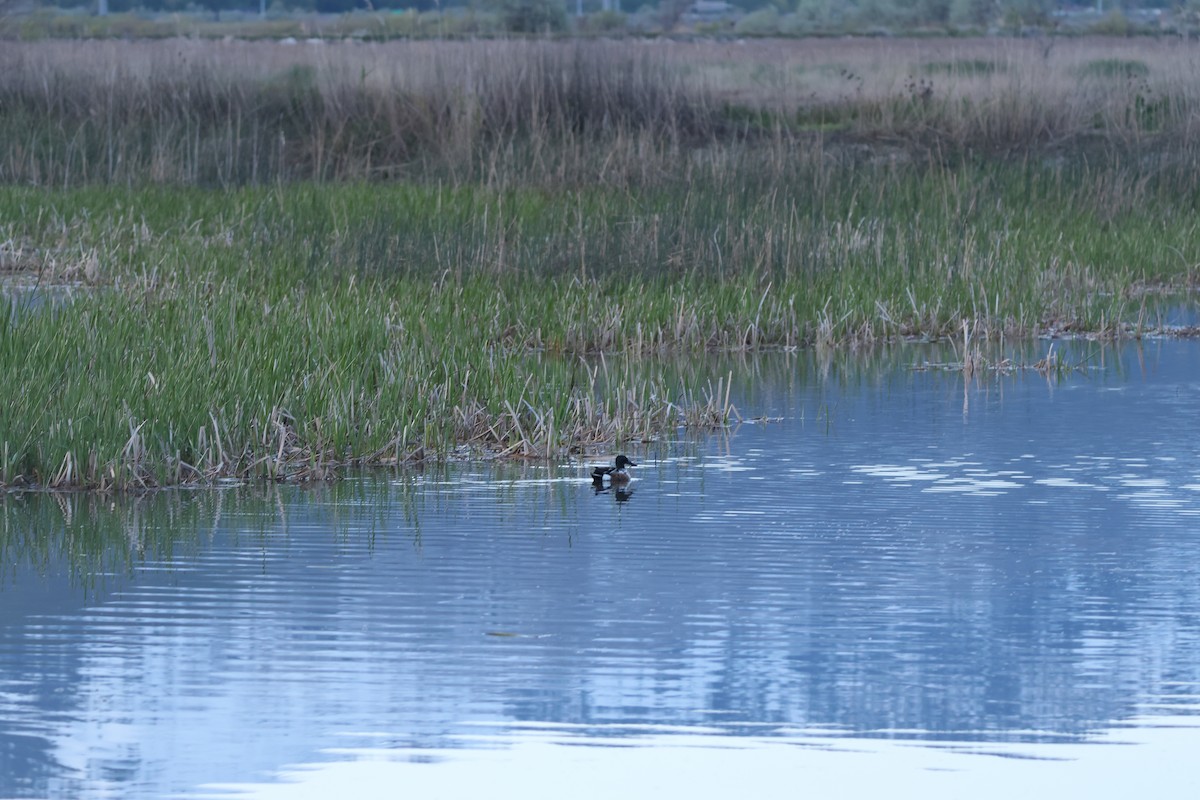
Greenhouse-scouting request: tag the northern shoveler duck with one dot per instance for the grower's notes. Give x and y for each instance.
(617, 474)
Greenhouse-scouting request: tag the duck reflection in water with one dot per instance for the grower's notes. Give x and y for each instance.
(621, 494)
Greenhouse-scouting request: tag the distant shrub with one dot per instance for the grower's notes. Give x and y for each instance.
(795, 25)
(603, 22)
(764, 22)
(645, 20)
(1114, 23)
(533, 16)
(1120, 68)
(821, 14)
(972, 13)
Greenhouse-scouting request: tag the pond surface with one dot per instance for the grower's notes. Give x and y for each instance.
(910, 585)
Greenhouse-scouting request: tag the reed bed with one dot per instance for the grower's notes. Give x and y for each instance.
(233, 113)
(994, 94)
(236, 113)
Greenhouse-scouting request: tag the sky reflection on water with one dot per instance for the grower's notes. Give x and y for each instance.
(900, 572)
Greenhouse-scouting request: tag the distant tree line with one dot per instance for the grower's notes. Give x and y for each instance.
(541, 11)
(320, 6)
(930, 10)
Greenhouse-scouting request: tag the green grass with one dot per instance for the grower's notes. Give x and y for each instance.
(189, 382)
(1115, 68)
(281, 333)
(963, 67)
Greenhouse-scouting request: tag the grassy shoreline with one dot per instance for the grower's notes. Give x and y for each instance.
(544, 240)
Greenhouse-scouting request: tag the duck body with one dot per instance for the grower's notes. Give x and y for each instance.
(616, 475)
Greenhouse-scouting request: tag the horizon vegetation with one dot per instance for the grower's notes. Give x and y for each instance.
(401, 19)
(229, 261)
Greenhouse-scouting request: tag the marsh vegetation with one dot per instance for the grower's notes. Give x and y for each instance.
(279, 260)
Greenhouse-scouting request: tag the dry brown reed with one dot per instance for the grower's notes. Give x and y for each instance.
(245, 112)
(993, 90)
(239, 112)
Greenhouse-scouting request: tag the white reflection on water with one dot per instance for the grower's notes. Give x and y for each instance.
(1098, 473)
(533, 764)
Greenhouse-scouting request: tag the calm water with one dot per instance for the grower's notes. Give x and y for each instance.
(905, 587)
